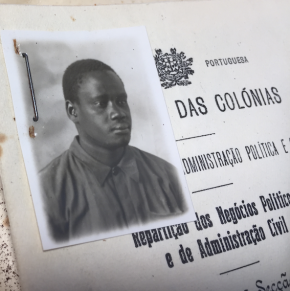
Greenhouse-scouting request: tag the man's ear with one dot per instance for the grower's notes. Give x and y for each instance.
(71, 111)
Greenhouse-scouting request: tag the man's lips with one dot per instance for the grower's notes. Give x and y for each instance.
(122, 128)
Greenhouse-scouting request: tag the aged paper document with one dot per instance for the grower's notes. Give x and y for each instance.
(223, 67)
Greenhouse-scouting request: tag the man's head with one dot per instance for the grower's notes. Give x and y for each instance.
(96, 101)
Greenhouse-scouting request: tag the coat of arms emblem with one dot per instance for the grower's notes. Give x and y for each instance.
(173, 68)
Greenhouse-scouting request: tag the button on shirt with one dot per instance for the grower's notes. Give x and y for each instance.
(83, 196)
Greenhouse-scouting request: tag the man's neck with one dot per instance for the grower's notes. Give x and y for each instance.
(105, 156)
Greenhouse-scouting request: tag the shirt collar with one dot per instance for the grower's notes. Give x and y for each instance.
(127, 164)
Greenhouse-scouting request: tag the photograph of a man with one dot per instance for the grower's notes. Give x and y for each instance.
(101, 183)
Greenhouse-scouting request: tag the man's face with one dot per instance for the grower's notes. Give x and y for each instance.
(104, 117)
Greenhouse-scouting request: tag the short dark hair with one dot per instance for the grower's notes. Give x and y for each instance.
(73, 75)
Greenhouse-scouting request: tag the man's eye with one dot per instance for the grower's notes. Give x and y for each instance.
(101, 103)
(122, 102)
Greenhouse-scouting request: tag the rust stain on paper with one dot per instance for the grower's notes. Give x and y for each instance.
(16, 48)
(9, 277)
(3, 137)
(31, 132)
(6, 222)
(72, 18)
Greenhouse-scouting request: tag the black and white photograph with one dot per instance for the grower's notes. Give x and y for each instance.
(101, 160)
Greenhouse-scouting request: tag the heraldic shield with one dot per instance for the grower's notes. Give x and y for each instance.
(173, 69)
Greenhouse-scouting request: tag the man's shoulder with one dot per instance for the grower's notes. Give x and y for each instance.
(160, 173)
(151, 159)
(55, 167)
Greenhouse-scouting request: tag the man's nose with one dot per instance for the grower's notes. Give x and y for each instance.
(116, 112)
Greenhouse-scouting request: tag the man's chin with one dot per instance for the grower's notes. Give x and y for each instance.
(119, 142)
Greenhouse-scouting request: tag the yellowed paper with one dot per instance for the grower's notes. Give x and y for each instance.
(208, 32)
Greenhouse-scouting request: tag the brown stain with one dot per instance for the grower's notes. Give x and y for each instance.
(3, 137)
(31, 132)
(14, 118)
(72, 18)
(16, 49)
(6, 222)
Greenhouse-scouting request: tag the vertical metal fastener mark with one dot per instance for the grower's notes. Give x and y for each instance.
(35, 118)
